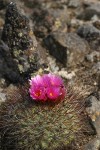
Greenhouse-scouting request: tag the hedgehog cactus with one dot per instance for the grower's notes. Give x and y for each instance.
(29, 125)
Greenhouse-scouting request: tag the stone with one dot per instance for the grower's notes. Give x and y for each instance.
(97, 24)
(75, 23)
(60, 17)
(93, 56)
(3, 83)
(48, 20)
(88, 3)
(90, 11)
(99, 95)
(93, 144)
(63, 73)
(67, 48)
(95, 104)
(96, 68)
(4, 3)
(88, 31)
(8, 68)
(91, 34)
(74, 3)
(42, 22)
(17, 24)
(20, 43)
(2, 96)
(52, 65)
(93, 111)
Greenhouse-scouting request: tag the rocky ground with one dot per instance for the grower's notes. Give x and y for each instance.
(61, 36)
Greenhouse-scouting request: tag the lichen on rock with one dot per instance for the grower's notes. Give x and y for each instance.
(20, 39)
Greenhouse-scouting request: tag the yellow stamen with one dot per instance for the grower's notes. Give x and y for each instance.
(51, 94)
(38, 93)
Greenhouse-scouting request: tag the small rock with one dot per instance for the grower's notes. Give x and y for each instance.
(94, 56)
(97, 24)
(99, 95)
(95, 105)
(94, 112)
(93, 144)
(74, 3)
(2, 83)
(96, 68)
(48, 20)
(42, 22)
(91, 34)
(88, 3)
(52, 65)
(89, 12)
(76, 23)
(63, 73)
(60, 14)
(4, 3)
(94, 18)
(8, 68)
(2, 96)
(61, 18)
(88, 31)
(67, 48)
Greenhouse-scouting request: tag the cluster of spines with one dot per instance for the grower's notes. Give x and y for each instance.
(30, 125)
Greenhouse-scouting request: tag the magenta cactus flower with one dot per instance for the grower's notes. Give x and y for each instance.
(55, 80)
(38, 80)
(47, 87)
(38, 92)
(53, 92)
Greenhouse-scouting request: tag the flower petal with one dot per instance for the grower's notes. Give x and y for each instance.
(53, 93)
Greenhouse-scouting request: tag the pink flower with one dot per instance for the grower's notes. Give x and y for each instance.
(36, 81)
(46, 80)
(38, 93)
(52, 80)
(37, 90)
(53, 93)
(47, 87)
(55, 80)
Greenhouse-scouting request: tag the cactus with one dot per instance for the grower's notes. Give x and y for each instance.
(29, 125)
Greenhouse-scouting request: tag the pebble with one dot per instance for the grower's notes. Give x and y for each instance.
(2, 96)
(74, 3)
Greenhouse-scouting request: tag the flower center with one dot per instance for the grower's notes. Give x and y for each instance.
(51, 94)
(38, 93)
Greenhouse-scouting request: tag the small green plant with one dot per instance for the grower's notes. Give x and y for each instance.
(29, 125)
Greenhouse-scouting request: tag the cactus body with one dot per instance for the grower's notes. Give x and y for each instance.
(27, 125)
